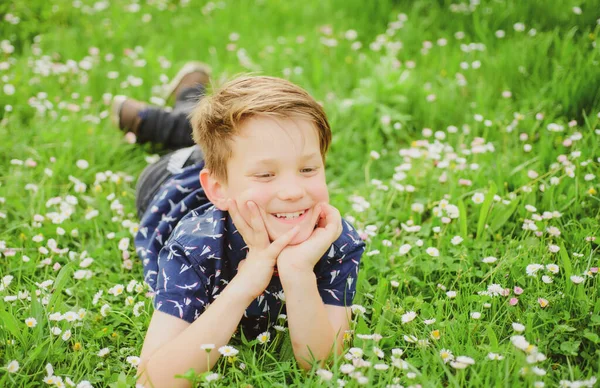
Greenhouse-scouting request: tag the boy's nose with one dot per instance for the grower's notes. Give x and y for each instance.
(290, 190)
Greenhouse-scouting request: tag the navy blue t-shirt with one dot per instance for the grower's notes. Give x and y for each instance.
(191, 250)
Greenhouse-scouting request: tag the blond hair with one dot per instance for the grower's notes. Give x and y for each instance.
(217, 117)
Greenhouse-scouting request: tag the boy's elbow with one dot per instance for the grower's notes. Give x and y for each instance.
(306, 359)
(144, 380)
(143, 377)
(304, 365)
(306, 362)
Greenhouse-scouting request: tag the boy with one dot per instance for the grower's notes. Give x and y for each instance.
(239, 230)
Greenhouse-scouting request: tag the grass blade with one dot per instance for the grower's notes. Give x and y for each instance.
(462, 218)
(485, 209)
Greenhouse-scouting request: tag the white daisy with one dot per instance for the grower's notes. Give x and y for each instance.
(133, 360)
(519, 328)
(456, 240)
(264, 337)
(495, 356)
(31, 322)
(12, 366)
(324, 374)
(228, 351)
(433, 252)
(408, 317)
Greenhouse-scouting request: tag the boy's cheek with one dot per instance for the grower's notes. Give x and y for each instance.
(254, 196)
(247, 195)
(321, 192)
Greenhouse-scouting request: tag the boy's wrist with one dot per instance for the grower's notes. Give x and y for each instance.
(290, 276)
(236, 288)
(290, 269)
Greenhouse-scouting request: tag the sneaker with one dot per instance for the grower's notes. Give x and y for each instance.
(190, 75)
(125, 113)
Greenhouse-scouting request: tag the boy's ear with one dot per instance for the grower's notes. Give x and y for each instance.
(214, 190)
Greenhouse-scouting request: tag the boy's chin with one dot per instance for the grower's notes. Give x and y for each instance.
(299, 238)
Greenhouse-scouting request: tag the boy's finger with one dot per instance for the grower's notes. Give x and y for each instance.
(325, 212)
(322, 221)
(255, 219)
(318, 210)
(331, 221)
(238, 221)
(245, 213)
(282, 241)
(256, 222)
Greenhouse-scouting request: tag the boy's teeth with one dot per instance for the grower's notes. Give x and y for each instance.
(289, 215)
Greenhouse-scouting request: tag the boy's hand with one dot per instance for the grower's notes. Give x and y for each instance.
(304, 256)
(256, 270)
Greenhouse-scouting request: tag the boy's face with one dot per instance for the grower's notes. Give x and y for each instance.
(277, 164)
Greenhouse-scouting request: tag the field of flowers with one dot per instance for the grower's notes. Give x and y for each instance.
(466, 149)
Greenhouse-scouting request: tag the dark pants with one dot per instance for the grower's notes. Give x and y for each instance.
(170, 128)
(173, 130)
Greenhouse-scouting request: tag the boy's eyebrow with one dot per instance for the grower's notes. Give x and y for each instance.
(274, 161)
(311, 155)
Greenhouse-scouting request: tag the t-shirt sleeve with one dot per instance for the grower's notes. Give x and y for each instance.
(181, 286)
(337, 274)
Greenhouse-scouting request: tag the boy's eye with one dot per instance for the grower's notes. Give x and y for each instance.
(270, 175)
(265, 175)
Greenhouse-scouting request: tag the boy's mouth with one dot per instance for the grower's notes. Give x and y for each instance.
(292, 217)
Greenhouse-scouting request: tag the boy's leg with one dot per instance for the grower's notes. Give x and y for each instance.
(171, 128)
(159, 125)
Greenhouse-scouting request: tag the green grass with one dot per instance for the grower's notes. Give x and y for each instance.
(377, 99)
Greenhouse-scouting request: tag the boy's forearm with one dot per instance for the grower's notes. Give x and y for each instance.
(215, 326)
(308, 321)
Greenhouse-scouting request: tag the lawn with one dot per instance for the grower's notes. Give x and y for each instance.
(465, 151)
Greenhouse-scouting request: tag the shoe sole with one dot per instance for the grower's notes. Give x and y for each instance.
(190, 67)
(115, 110)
